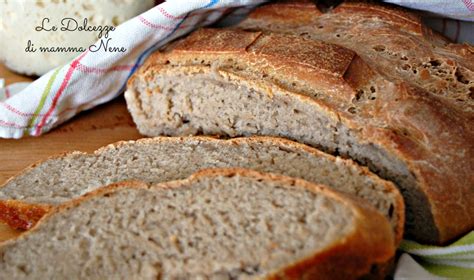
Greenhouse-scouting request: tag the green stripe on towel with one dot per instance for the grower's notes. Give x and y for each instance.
(453, 261)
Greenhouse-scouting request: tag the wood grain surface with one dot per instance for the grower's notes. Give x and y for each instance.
(86, 132)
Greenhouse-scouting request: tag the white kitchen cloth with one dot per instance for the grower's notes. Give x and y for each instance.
(95, 77)
(454, 261)
(455, 9)
(408, 268)
(452, 18)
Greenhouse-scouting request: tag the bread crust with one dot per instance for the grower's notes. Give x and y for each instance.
(406, 33)
(23, 216)
(371, 241)
(20, 215)
(433, 138)
(397, 16)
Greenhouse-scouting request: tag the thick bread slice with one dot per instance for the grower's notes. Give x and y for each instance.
(392, 40)
(218, 224)
(231, 82)
(28, 196)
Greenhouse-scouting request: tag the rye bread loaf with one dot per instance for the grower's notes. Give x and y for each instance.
(28, 196)
(231, 82)
(392, 40)
(218, 224)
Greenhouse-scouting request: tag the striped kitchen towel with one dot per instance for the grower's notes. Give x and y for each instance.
(455, 261)
(454, 9)
(452, 18)
(99, 75)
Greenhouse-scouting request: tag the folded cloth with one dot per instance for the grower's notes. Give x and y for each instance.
(455, 9)
(434, 262)
(99, 75)
(408, 268)
(453, 19)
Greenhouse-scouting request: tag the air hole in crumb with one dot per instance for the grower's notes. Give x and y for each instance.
(264, 75)
(320, 26)
(372, 98)
(415, 71)
(372, 89)
(374, 269)
(22, 267)
(359, 94)
(406, 67)
(403, 57)
(435, 62)
(379, 48)
(390, 211)
(293, 84)
(460, 77)
(167, 62)
(352, 110)
(338, 35)
(296, 111)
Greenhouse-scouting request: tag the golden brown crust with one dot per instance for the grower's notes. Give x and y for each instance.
(20, 215)
(224, 42)
(14, 215)
(397, 16)
(371, 241)
(299, 13)
(331, 59)
(400, 36)
(408, 21)
(434, 139)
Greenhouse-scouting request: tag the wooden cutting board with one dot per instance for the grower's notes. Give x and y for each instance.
(86, 132)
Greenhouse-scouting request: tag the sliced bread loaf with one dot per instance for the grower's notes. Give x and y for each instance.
(28, 196)
(392, 40)
(231, 82)
(218, 224)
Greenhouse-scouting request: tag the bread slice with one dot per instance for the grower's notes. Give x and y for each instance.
(230, 82)
(392, 40)
(218, 224)
(28, 196)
